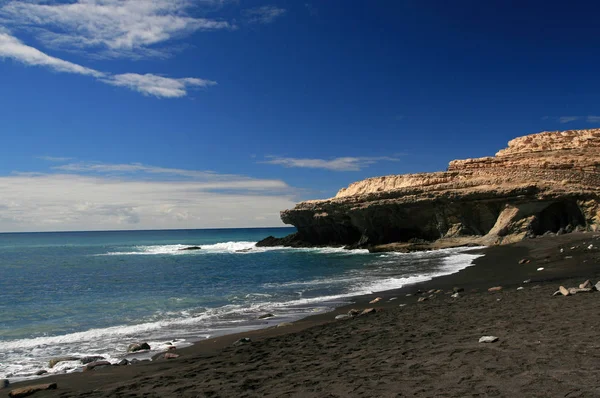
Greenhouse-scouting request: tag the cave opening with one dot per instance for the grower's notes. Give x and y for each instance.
(559, 215)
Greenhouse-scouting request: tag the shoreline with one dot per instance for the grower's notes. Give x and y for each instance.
(499, 266)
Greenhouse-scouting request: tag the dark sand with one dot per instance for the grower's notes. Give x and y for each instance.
(548, 347)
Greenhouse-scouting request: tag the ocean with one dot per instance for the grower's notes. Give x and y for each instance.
(93, 293)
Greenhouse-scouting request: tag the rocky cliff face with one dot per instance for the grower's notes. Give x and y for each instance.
(541, 183)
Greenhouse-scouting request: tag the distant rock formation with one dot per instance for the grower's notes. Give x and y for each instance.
(546, 182)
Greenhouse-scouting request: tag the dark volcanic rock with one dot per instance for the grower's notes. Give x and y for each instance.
(86, 360)
(134, 347)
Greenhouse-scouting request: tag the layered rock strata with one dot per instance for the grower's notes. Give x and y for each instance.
(542, 183)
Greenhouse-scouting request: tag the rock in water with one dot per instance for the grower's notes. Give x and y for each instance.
(488, 339)
(190, 248)
(540, 182)
(265, 316)
(26, 391)
(86, 360)
(54, 361)
(135, 347)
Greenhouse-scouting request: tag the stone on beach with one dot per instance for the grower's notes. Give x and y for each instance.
(353, 312)
(375, 300)
(41, 372)
(26, 391)
(134, 347)
(96, 364)
(243, 341)
(123, 362)
(368, 311)
(564, 291)
(455, 295)
(520, 288)
(458, 289)
(585, 285)
(54, 361)
(488, 339)
(524, 261)
(597, 286)
(495, 289)
(342, 316)
(421, 299)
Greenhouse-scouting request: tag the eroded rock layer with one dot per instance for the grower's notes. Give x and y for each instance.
(542, 183)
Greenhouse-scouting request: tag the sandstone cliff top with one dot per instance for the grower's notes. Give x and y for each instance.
(546, 158)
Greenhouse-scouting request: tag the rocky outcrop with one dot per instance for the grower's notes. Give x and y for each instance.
(546, 182)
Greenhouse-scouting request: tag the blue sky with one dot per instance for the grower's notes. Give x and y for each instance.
(220, 113)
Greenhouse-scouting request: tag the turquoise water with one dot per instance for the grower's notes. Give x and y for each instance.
(93, 293)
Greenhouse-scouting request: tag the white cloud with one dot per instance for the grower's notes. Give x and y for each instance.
(337, 164)
(11, 47)
(147, 84)
(157, 86)
(593, 119)
(74, 200)
(57, 159)
(567, 119)
(264, 14)
(115, 28)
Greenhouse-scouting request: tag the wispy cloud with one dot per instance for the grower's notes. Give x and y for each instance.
(114, 28)
(336, 164)
(589, 119)
(568, 119)
(264, 14)
(147, 84)
(136, 196)
(57, 159)
(11, 47)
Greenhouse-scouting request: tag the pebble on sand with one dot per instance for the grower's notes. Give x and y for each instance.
(540, 269)
(488, 339)
(520, 288)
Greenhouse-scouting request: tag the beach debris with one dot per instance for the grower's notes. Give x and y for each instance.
(524, 261)
(421, 299)
(284, 324)
(353, 312)
(393, 298)
(527, 281)
(96, 364)
(190, 248)
(556, 293)
(458, 289)
(488, 339)
(368, 311)
(402, 305)
(495, 289)
(375, 300)
(408, 295)
(41, 372)
(123, 362)
(540, 269)
(265, 316)
(26, 391)
(4, 383)
(56, 360)
(135, 347)
(455, 295)
(243, 341)
(94, 358)
(170, 355)
(585, 285)
(342, 316)
(564, 291)
(520, 288)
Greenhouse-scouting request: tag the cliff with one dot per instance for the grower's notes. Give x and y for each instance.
(541, 183)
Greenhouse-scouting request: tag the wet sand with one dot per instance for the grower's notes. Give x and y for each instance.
(548, 346)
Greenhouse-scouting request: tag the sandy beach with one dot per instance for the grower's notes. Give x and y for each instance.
(547, 346)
